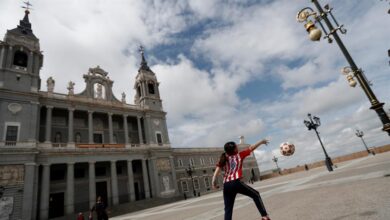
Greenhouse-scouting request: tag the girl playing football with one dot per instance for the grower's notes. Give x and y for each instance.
(231, 161)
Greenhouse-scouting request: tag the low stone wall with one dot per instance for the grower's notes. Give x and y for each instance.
(321, 163)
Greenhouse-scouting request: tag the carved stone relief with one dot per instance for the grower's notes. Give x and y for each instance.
(163, 165)
(14, 108)
(11, 175)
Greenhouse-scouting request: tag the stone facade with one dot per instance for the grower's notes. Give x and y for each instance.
(58, 152)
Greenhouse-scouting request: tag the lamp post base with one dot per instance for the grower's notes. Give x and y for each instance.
(329, 164)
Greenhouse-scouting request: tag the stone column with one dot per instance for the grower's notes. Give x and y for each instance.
(33, 134)
(70, 125)
(28, 191)
(154, 176)
(164, 121)
(69, 197)
(148, 132)
(10, 53)
(92, 184)
(90, 127)
(2, 56)
(37, 66)
(141, 141)
(126, 129)
(110, 131)
(146, 179)
(35, 194)
(130, 176)
(48, 124)
(144, 88)
(114, 183)
(45, 193)
(30, 62)
(173, 174)
(157, 90)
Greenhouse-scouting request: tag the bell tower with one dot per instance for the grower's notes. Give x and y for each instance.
(20, 58)
(146, 86)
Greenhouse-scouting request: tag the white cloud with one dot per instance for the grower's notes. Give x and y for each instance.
(242, 44)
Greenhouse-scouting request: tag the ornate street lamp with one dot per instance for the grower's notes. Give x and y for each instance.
(275, 159)
(314, 123)
(190, 170)
(361, 134)
(311, 18)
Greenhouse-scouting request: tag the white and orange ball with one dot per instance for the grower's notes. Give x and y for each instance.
(287, 149)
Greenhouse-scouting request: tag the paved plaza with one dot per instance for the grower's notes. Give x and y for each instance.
(357, 189)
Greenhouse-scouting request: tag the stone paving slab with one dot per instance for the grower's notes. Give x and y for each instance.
(356, 190)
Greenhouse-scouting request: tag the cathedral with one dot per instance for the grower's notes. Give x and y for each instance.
(59, 152)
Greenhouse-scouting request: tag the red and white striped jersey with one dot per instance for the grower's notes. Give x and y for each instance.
(233, 166)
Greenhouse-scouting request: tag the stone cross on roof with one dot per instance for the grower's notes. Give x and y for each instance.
(144, 64)
(27, 7)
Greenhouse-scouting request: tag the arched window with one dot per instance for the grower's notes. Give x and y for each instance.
(58, 138)
(151, 87)
(78, 137)
(192, 162)
(184, 186)
(20, 59)
(139, 91)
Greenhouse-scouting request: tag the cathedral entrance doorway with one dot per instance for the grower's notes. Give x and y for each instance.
(56, 205)
(101, 190)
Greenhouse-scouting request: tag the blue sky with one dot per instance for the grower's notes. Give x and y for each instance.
(226, 68)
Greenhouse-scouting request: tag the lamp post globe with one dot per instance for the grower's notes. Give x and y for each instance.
(275, 159)
(360, 134)
(312, 124)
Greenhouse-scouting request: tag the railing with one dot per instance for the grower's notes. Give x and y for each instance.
(17, 144)
(10, 143)
(59, 144)
(100, 145)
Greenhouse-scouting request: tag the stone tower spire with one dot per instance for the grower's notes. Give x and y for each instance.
(146, 85)
(20, 57)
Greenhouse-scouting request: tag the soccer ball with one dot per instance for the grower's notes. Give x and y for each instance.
(287, 149)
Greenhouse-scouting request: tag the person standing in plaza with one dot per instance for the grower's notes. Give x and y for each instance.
(231, 162)
(100, 209)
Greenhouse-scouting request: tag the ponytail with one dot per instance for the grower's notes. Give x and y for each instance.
(222, 160)
(230, 148)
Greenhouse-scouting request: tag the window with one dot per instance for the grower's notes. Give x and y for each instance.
(20, 59)
(184, 186)
(115, 138)
(58, 138)
(212, 161)
(192, 162)
(151, 87)
(201, 161)
(78, 137)
(139, 91)
(196, 183)
(159, 138)
(179, 163)
(207, 182)
(11, 133)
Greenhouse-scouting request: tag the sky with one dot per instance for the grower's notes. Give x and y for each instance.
(226, 68)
